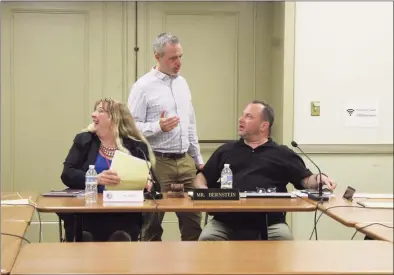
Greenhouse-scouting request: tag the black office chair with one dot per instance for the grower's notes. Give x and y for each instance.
(61, 238)
(66, 220)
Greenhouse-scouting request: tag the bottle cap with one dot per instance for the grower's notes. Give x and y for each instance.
(91, 166)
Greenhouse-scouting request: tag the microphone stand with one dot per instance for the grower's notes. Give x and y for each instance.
(314, 197)
(151, 195)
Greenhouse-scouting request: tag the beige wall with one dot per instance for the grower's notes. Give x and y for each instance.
(348, 165)
(62, 56)
(94, 43)
(343, 64)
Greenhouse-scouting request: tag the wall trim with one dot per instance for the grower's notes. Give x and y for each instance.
(347, 148)
(386, 149)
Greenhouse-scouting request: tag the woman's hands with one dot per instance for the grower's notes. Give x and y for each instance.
(148, 185)
(108, 177)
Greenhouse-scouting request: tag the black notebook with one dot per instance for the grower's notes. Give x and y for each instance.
(64, 193)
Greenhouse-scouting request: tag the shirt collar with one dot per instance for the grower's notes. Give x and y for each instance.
(161, 75)
(270, 142)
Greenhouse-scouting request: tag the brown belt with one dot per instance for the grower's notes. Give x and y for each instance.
(170, 155)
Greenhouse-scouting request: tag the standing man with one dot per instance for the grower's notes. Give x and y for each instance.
(160, 102)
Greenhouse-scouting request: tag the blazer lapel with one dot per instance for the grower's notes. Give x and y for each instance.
(93, 151)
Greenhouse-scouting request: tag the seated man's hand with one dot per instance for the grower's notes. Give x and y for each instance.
(108, 177)
(327, 182)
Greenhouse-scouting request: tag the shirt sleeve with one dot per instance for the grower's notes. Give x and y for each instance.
(297, 171)
(138, 105)
(194, 148)
(212, 168)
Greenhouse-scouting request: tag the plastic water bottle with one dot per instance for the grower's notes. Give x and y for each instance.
(226, 178)
(91, 185)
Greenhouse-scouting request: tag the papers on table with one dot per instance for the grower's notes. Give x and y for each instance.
(64, 193)
(374, 204)
(373, 196)
(266, 195)
(15, 202)
(133, 172)
(304, 194)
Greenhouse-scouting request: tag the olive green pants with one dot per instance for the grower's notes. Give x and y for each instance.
(170, 171)
(218, 231)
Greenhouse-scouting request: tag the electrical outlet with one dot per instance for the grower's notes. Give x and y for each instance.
(315, 108)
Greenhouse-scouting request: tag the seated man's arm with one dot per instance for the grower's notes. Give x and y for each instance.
(201, 181)
(209, 175)
(302, 178)
(312, 182)
(309, 182)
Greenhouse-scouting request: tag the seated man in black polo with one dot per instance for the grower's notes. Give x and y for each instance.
(256, 162)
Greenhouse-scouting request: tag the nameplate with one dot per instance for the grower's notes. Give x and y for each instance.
(123, 196)
(215, 194)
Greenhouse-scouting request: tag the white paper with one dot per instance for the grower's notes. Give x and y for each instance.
(133, 172)
(373, 196)
(15, 202)
(361, 114)
(304, 194)
(373, 204)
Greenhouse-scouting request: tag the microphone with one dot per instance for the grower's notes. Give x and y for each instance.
(320, 196)
(151, 194)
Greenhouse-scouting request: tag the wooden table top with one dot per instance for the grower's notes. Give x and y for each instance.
(351, 213)
(243, 205)
(240, 257)
(10, 245)
(77, 205)
(17, 212)
(186, 204)
(14, 220)
(377, 231)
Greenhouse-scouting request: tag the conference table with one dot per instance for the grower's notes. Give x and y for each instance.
(350, 213)
(197, 257)
(231, 257)
(168, 204)
(377, 231)
(76, 206)
(15, 220)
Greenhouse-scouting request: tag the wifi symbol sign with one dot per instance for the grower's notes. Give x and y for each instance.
(350, 111)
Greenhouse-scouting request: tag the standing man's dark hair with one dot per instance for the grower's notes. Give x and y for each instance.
(267, 114)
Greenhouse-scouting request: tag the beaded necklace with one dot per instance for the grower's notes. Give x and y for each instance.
(108, 151)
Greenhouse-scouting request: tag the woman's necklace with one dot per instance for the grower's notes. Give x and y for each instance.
(108, 151)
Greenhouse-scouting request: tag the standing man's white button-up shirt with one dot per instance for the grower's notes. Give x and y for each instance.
(154, 93)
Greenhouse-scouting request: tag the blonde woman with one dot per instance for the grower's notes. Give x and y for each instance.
(113, 128)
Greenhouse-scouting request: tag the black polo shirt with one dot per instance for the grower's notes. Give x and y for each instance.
(269, 165)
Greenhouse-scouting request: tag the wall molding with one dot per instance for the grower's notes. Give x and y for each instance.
(347, 148)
